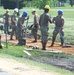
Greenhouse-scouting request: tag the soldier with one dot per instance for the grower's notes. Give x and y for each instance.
(6, 21)
(35, 25)
(43, 22)
(13, 23)
(20, 27)
(59, 23)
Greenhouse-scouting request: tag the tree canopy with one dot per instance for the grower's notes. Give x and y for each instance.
(11, 4)
(29, 3)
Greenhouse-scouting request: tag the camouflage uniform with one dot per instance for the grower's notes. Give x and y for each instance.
(6, 22)
(35, 27)
(43, 22)
(13, 26)
(20, 30)
(58, 29)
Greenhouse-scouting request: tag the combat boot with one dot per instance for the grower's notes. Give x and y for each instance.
(11, 39)
(53, 40)
(43, 46)
(34, 40)
(61, 42)
(52, 44)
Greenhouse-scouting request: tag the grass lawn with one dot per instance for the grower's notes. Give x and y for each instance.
(68, 14)
(17, 51)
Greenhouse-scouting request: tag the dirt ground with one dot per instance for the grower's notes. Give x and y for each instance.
(63, 61)
(66, 49)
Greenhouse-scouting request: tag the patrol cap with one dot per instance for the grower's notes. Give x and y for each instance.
(16, 10)
(33, 10)
(47, 7)
(60, 12)
(25, 14)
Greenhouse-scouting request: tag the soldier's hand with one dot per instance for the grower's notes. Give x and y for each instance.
(27, 17)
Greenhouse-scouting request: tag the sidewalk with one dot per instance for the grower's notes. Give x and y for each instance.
(13, 67)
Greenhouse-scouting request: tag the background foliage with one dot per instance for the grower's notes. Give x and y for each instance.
(11, 4)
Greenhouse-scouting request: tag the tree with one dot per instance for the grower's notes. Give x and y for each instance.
(71, 3)
(62, 0)
(11, 4)
(41, 3)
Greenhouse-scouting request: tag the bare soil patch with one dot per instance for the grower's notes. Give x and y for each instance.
(65, 62)
(66, 49)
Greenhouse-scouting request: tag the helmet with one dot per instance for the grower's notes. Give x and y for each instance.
(33, 10)
(60, 12)
(16, 10)
(47, 7)
(25, 14)
(7, 10)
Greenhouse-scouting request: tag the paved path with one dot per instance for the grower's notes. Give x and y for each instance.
(13, 67)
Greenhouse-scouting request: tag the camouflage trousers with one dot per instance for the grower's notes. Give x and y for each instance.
(44, 34)
(34, 32)
(14, 29)
(60, 32)
(6, 28)
(19, 35)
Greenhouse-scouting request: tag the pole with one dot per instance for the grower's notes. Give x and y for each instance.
(17, 1)
(26, 25)
(17, 5)
(0, 43)
(0, 2)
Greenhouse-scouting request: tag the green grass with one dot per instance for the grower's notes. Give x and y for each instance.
(13, 50)
(68, 16)
(49, 68)
(17, 51)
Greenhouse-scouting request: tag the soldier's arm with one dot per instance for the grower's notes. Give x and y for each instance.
(62, 25)
(40, 20)
(37, 20)
(14, 20)
(49, 19)
(53, 20)
(4, 19)
(21, 24)
(62, 22)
